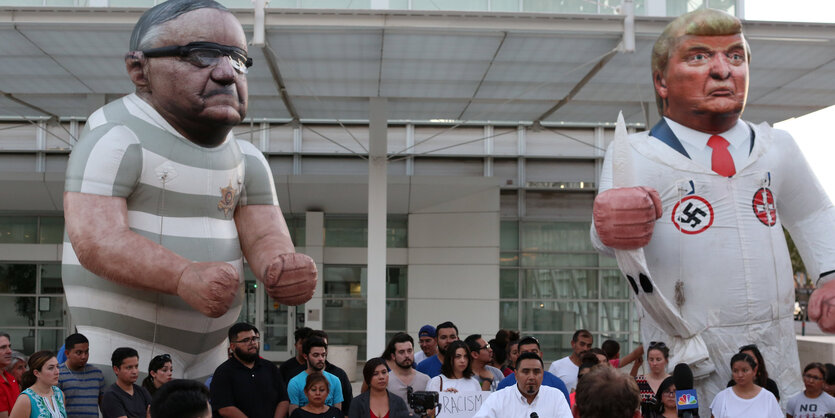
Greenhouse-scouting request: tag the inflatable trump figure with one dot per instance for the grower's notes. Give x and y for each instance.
(162, 203)
(695, 210)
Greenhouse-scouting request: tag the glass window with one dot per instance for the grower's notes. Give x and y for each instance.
(345, 306)
(17, 278)
(509, 259)
(509, 236)
(296, 225)
(559, 284)
(353, 232)
(680, 7)
(50, 311)
(508, 283)
(341, 232)
(18, 230)
(17, 311)
(551, 315)
(51, 230)
(51, 279)
(556, 236)
(556, 283)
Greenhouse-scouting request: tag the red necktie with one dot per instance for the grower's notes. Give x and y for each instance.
(720, 160)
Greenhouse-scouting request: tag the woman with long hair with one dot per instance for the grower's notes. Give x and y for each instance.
(41, 397)
(512, 351)
(658, 356)
(377, 402)
(813, 398)
(760, 372)
(746, 398)
(456, 373)
(160, 370)
(316, 389)
(665, 401)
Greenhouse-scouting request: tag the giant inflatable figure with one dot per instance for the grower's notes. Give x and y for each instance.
(705, 203)
(161, 202)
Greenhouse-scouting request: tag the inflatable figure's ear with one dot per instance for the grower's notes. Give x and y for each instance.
(136, 66)
(660, 84)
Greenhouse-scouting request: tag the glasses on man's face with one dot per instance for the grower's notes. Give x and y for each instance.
(248, 340)
(812, 377)
(486, 346)
(204, 54)
(669, 393)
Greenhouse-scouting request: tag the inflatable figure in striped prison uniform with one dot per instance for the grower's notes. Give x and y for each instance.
(162, 203)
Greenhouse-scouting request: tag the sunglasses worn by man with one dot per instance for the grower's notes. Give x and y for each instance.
(204, 54)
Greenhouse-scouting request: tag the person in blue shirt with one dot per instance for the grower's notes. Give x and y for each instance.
(445, 333)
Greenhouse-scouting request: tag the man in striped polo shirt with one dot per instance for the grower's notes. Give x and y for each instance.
(162, 203)
(82, 383)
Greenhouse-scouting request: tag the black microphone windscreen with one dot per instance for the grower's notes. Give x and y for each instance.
(683, 377)
(534, 415)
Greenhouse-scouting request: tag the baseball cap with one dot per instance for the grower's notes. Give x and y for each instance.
(427, 331)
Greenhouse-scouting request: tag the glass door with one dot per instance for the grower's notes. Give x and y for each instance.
(275, 321)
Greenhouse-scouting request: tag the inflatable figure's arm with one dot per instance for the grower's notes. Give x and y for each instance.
(97, 227)
(289, 277)
(624, 217)
(809, 215)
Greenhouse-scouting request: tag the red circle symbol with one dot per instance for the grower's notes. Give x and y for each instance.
(692, 215)
(764, 207)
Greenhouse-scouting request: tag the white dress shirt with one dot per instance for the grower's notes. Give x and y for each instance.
(510, 403)
(695, 142)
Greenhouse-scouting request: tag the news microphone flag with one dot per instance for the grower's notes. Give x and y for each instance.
(686, 399)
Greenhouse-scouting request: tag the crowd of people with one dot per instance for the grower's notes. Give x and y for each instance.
(308, 386)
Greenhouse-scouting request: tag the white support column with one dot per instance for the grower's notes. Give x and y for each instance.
(377, 214)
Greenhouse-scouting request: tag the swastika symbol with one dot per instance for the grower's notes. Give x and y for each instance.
(694, 215)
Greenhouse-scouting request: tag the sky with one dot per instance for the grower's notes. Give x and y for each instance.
(813, 132)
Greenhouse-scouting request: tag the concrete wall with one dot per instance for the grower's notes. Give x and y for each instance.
(454, 254)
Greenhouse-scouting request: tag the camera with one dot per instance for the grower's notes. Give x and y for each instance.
(421, 401)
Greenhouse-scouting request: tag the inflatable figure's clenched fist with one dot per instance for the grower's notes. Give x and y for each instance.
(209, 288)
(625, 217)
(291, 278)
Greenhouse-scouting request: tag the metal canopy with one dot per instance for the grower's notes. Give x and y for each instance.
(431, 66)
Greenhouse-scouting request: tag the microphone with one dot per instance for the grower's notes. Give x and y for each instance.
(534, 415)
(687, 402)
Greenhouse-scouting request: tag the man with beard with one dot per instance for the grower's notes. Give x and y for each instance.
(247, 385)
(445, 333)
(399, 355)
(315, 353)
(531, 345)
(528, 396)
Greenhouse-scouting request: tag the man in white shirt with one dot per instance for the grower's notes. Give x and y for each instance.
(567, 367)
(528, 396)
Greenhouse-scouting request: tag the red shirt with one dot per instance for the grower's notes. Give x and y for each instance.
(9, 391)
